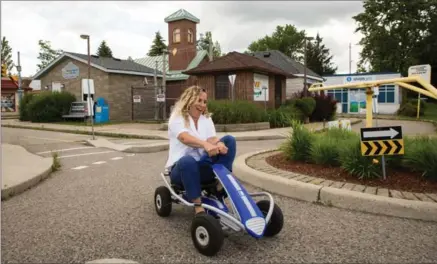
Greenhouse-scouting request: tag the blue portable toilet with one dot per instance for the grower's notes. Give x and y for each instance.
(101, 113)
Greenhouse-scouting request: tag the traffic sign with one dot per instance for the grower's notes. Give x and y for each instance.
(376, 141)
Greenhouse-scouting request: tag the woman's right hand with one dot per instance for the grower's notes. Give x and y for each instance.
(211, 149)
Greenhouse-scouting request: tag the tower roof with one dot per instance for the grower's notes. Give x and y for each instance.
(181, 14)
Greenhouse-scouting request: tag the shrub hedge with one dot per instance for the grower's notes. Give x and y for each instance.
(46, 106)
(237, 112)
(338, 147)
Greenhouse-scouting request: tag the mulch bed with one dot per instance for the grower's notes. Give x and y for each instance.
(396, 180)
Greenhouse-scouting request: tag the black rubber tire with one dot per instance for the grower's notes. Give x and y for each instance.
(163, 194)
(214, 233)
(274, 226)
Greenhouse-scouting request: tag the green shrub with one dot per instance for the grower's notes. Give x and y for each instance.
(325, 151)
(326, 108)
(421, 156)
(355, 163)
(326, 147)
(298, 146)
(284, 115)
(23, 109)
(423, 104)
(237, 112)
(49, 106)
(307, 105)
(408, 109)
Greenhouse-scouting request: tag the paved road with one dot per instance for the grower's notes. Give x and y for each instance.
(106, 210)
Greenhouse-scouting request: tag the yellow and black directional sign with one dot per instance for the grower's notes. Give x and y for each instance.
(376, 141)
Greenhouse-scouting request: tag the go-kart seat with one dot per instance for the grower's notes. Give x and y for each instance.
(209, 186)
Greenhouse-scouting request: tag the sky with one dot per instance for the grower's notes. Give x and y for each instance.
(129, 27)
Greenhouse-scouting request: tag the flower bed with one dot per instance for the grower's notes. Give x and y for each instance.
(336, 155)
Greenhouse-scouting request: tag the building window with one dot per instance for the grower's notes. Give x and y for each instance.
(341, 96)
(176, 35)
(386, 94)
(221, 91)
(190, 36)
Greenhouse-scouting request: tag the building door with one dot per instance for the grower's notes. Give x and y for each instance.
(278, 91)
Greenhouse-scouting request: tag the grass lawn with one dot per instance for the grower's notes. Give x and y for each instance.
(430, 112)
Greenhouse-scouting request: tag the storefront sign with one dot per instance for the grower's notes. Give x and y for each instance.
(70, 71)
(423, 71)
(261, 87)
(354, 79)
(137, 98)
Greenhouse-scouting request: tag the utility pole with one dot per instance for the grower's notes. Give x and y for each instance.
(20, 89)
(155, 80)
(210, 50)
(163, 83)
(87, 37)
(305, 68)
(350, 58)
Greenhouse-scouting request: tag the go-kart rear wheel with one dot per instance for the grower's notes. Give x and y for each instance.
(274, 226)
(207, 234)
(163, 202)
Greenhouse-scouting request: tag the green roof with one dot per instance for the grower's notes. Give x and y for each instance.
(180, 15)
(172, 75)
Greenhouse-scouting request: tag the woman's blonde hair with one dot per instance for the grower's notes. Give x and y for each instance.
(186, 100)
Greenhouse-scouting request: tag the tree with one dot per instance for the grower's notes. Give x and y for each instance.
(318, 57)
(130, 58)
(157, 46)
(286, 39)
(397, 34)
(46, 54)
(6, 55)
(104, 50)
(203, 44)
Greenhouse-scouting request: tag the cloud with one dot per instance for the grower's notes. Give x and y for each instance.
(129, 26)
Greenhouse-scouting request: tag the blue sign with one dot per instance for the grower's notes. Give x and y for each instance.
(349, 79)
(70, 71)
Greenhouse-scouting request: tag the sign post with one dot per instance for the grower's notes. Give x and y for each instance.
(423, 71)
(232, 80)
(380, 141)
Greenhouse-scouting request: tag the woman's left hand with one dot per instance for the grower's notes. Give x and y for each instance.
(222, 148)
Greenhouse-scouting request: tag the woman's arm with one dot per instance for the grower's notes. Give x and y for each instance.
(191, 141)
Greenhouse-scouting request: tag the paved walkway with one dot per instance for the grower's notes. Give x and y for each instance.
(150, 131)
(21, 169)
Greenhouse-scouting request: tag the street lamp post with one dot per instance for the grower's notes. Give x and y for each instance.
(87, 37)
(305, 65)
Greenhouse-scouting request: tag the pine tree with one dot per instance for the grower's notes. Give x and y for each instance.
(318, 57)
(46, 54)
(104, 50)
(6, 54)
(157, 46)
(203, 44)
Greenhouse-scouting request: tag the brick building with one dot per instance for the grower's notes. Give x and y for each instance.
(113, 80)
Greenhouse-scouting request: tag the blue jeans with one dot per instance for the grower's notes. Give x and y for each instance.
(191, 173)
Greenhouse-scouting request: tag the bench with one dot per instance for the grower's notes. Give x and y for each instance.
(78, 110)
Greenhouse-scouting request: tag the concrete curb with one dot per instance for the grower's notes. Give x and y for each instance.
(330, 196)
(104, 143)
(83, 132)
(21, 187)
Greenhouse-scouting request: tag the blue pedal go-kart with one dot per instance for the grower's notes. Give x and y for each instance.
(259, 219)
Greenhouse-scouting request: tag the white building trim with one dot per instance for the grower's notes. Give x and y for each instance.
(41, 72)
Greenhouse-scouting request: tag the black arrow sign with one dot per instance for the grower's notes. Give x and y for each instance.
(398, 145)
(369, 148)
(389, 147)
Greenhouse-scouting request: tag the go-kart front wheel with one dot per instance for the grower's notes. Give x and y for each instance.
(207, 234)
(274, 226)
(163, 202)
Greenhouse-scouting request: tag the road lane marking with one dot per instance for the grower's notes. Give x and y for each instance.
(85, 154)
(79, 168)
(99, 162)
(130, 155)
(117, 158)
(62, 150)
(53, 139)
